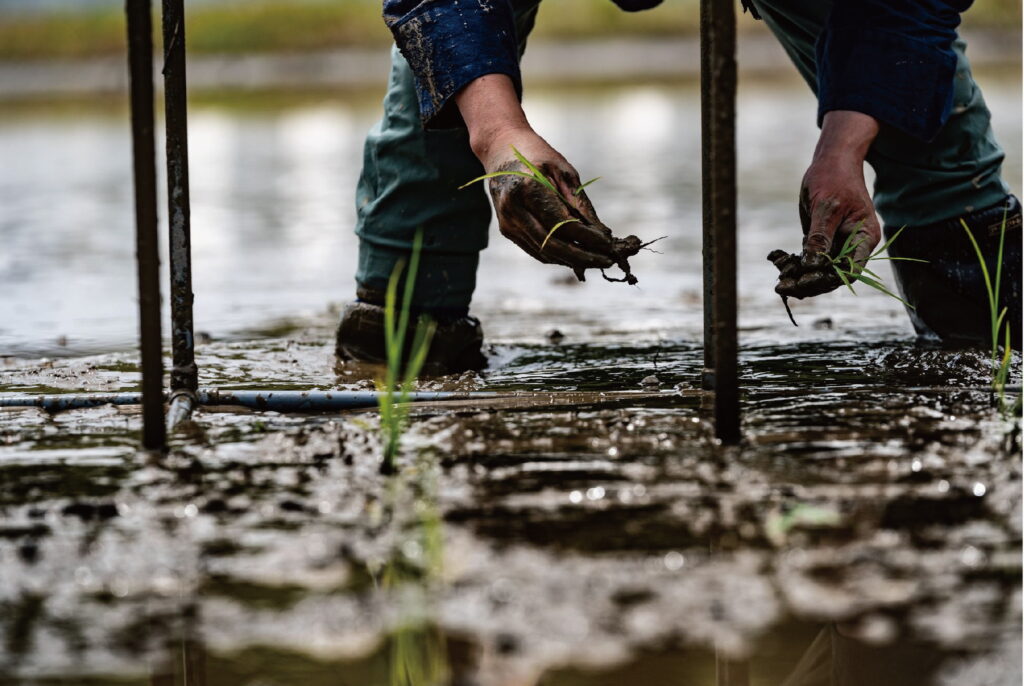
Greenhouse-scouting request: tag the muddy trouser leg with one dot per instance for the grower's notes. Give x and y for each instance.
(928, 187)
(410, 182)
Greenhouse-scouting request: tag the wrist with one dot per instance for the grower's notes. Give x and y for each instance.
(491, 141)
(846, 136)
(490, 107)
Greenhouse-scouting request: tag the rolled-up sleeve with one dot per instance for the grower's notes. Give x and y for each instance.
(891, 59)
(449, 43)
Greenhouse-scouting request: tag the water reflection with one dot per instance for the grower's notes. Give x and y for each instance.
(414, 575)
(797, 654)
(272, 186)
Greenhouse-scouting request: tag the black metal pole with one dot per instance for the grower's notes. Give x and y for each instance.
(718, 144)
(184, 374)
(708, 239)
(140, 70)
(731, 672)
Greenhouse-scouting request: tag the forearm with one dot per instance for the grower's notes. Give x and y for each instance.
(491, 110)
(846, 137)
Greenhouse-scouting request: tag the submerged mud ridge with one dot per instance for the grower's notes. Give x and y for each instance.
(871, 512)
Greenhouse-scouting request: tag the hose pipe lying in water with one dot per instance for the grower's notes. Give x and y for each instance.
(272, 401)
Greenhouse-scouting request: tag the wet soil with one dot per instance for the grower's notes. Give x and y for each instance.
(573, 534)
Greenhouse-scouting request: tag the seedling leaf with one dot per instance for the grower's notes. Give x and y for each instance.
(898, 259)
(555, 228)
(538, 175)
(842, 275)
(878, 286)
(870, 273)
(497, 173)
(584, 185)
(889, 242)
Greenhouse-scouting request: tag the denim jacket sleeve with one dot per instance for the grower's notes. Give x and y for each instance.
(891, 59)
(448, 43)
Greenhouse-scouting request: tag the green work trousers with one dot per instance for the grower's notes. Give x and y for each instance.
(411, 176)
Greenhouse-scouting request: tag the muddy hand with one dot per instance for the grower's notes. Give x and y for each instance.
(834, 206)
(556, 227)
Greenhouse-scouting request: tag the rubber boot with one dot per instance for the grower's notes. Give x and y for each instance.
(456, 347)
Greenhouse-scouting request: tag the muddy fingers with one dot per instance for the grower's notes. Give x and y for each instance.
(552, 228)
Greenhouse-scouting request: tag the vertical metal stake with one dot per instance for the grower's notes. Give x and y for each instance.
(140, 70)
(731, 672)
(718, 145)
(706, 171)
(184, 374)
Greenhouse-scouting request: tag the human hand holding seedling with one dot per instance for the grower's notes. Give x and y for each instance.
(540, 202)
(836, 211)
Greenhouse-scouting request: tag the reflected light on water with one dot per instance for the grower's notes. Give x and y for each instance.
(273, 186)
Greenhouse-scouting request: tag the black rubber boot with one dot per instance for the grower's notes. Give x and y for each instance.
(457, 345)
(948, 294)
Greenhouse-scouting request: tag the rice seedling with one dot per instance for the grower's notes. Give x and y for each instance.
(1001, 364)
(393, 399)
(848, 270)
(846, 267)
(536, 175)
(413, 574)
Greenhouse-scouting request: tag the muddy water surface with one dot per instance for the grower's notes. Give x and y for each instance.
(867, 532)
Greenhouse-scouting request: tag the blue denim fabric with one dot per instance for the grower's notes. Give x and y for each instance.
(892, 59)
(448, 43)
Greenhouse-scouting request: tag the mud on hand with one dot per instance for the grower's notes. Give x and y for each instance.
(803, 277)
(559, 228)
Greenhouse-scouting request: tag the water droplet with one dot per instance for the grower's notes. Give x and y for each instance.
(412, 550)
(324, 507)
(674, 561)
(575, 497)
(978, 489)
(943, 486)
(83, 575)
(971, 556)
(613, 451)
(190, 510)
(915, 466)
(595, 493)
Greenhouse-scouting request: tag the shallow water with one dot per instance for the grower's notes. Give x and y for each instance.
(272, 199)
(869, 527)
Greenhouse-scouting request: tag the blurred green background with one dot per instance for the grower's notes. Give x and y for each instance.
(63, 29)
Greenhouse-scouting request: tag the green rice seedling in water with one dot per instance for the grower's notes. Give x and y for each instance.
(997, 318)
(418, 649)
(850, 271)
(537, 175)
(393, 399)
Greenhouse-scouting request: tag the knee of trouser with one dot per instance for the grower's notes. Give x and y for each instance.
(444, 281)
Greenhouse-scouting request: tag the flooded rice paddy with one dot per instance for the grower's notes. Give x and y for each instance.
(587, 531)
